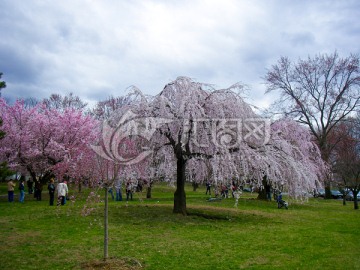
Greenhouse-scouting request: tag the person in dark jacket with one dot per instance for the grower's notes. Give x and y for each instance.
(38, 190)
(51, 188)
(30, 185)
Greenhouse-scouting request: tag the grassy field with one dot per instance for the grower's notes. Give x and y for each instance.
(319, 234)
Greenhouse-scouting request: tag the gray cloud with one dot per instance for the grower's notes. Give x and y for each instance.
(99, 48)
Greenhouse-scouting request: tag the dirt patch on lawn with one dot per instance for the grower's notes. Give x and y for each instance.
(113, 264)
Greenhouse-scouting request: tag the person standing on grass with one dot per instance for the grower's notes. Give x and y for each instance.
(129, 192)
(118, 190)
(66, 192)
(38, 189)
(208, 188)
(110, 190)
(268, 192)
(51, 188)
(22, 191)
(224, 191)
(62, 191)
(30, 185)
(233, 188)
(11, 186)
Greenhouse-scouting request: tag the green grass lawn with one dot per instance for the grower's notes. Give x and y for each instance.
(319, 234)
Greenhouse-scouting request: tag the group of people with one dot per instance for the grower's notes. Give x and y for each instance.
(224, 189)
(33, 188)
(62, 192)
(224, 192)
(117, 187)
(11, 189)
(61, 189)
(130, 187)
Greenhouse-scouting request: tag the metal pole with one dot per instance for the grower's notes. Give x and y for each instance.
(106, 232)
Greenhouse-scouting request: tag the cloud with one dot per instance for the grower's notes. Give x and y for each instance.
(99, 48)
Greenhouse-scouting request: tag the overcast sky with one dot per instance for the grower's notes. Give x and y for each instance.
(96, 49)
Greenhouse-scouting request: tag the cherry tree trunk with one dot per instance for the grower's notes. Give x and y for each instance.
(262, 192)
(327, 191)
(356, 204)
(148, 192)
(179, 195)
(327, 181)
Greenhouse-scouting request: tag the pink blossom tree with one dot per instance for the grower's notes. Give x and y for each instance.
(43, 142)
(2, 83)
(190, 124)
(4, 171)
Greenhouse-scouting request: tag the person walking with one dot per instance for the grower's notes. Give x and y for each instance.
(11, 186)
(51, 188)
(22, 191)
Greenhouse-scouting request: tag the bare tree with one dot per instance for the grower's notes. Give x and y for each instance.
(318, 92)
(59, 102)
(104, 109)
(30, 102)
(2, 83)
